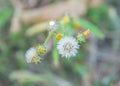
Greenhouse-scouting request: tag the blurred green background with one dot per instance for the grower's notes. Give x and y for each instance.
(23, 23)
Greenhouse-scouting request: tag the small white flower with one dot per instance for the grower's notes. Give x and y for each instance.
(31, 56)
(67, 46)
(52, 25)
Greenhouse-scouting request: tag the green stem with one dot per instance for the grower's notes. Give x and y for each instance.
(50, 34)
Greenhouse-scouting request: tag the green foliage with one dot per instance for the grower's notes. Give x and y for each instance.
(99, 13)
(100, 16)
(13, 48)
(66, 27)
(5, 15)
(88, 25)
(82, 69)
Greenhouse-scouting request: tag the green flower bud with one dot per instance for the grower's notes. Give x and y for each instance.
(41, 49)
(81, 38)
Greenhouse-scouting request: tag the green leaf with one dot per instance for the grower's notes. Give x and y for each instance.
(5, 15)
(88, 25)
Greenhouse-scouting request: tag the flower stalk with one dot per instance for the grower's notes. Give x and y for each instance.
(48, 37)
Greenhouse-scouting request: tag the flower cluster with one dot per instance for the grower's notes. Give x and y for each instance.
(67, 43)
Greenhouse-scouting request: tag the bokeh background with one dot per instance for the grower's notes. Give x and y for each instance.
(23, 23)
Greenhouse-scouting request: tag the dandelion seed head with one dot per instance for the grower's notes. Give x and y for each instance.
(52, 25)
(31, 56)
(67, 46)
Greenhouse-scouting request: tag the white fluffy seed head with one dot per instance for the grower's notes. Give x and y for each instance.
(52, 25)
(68, 46)
(30, 54)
